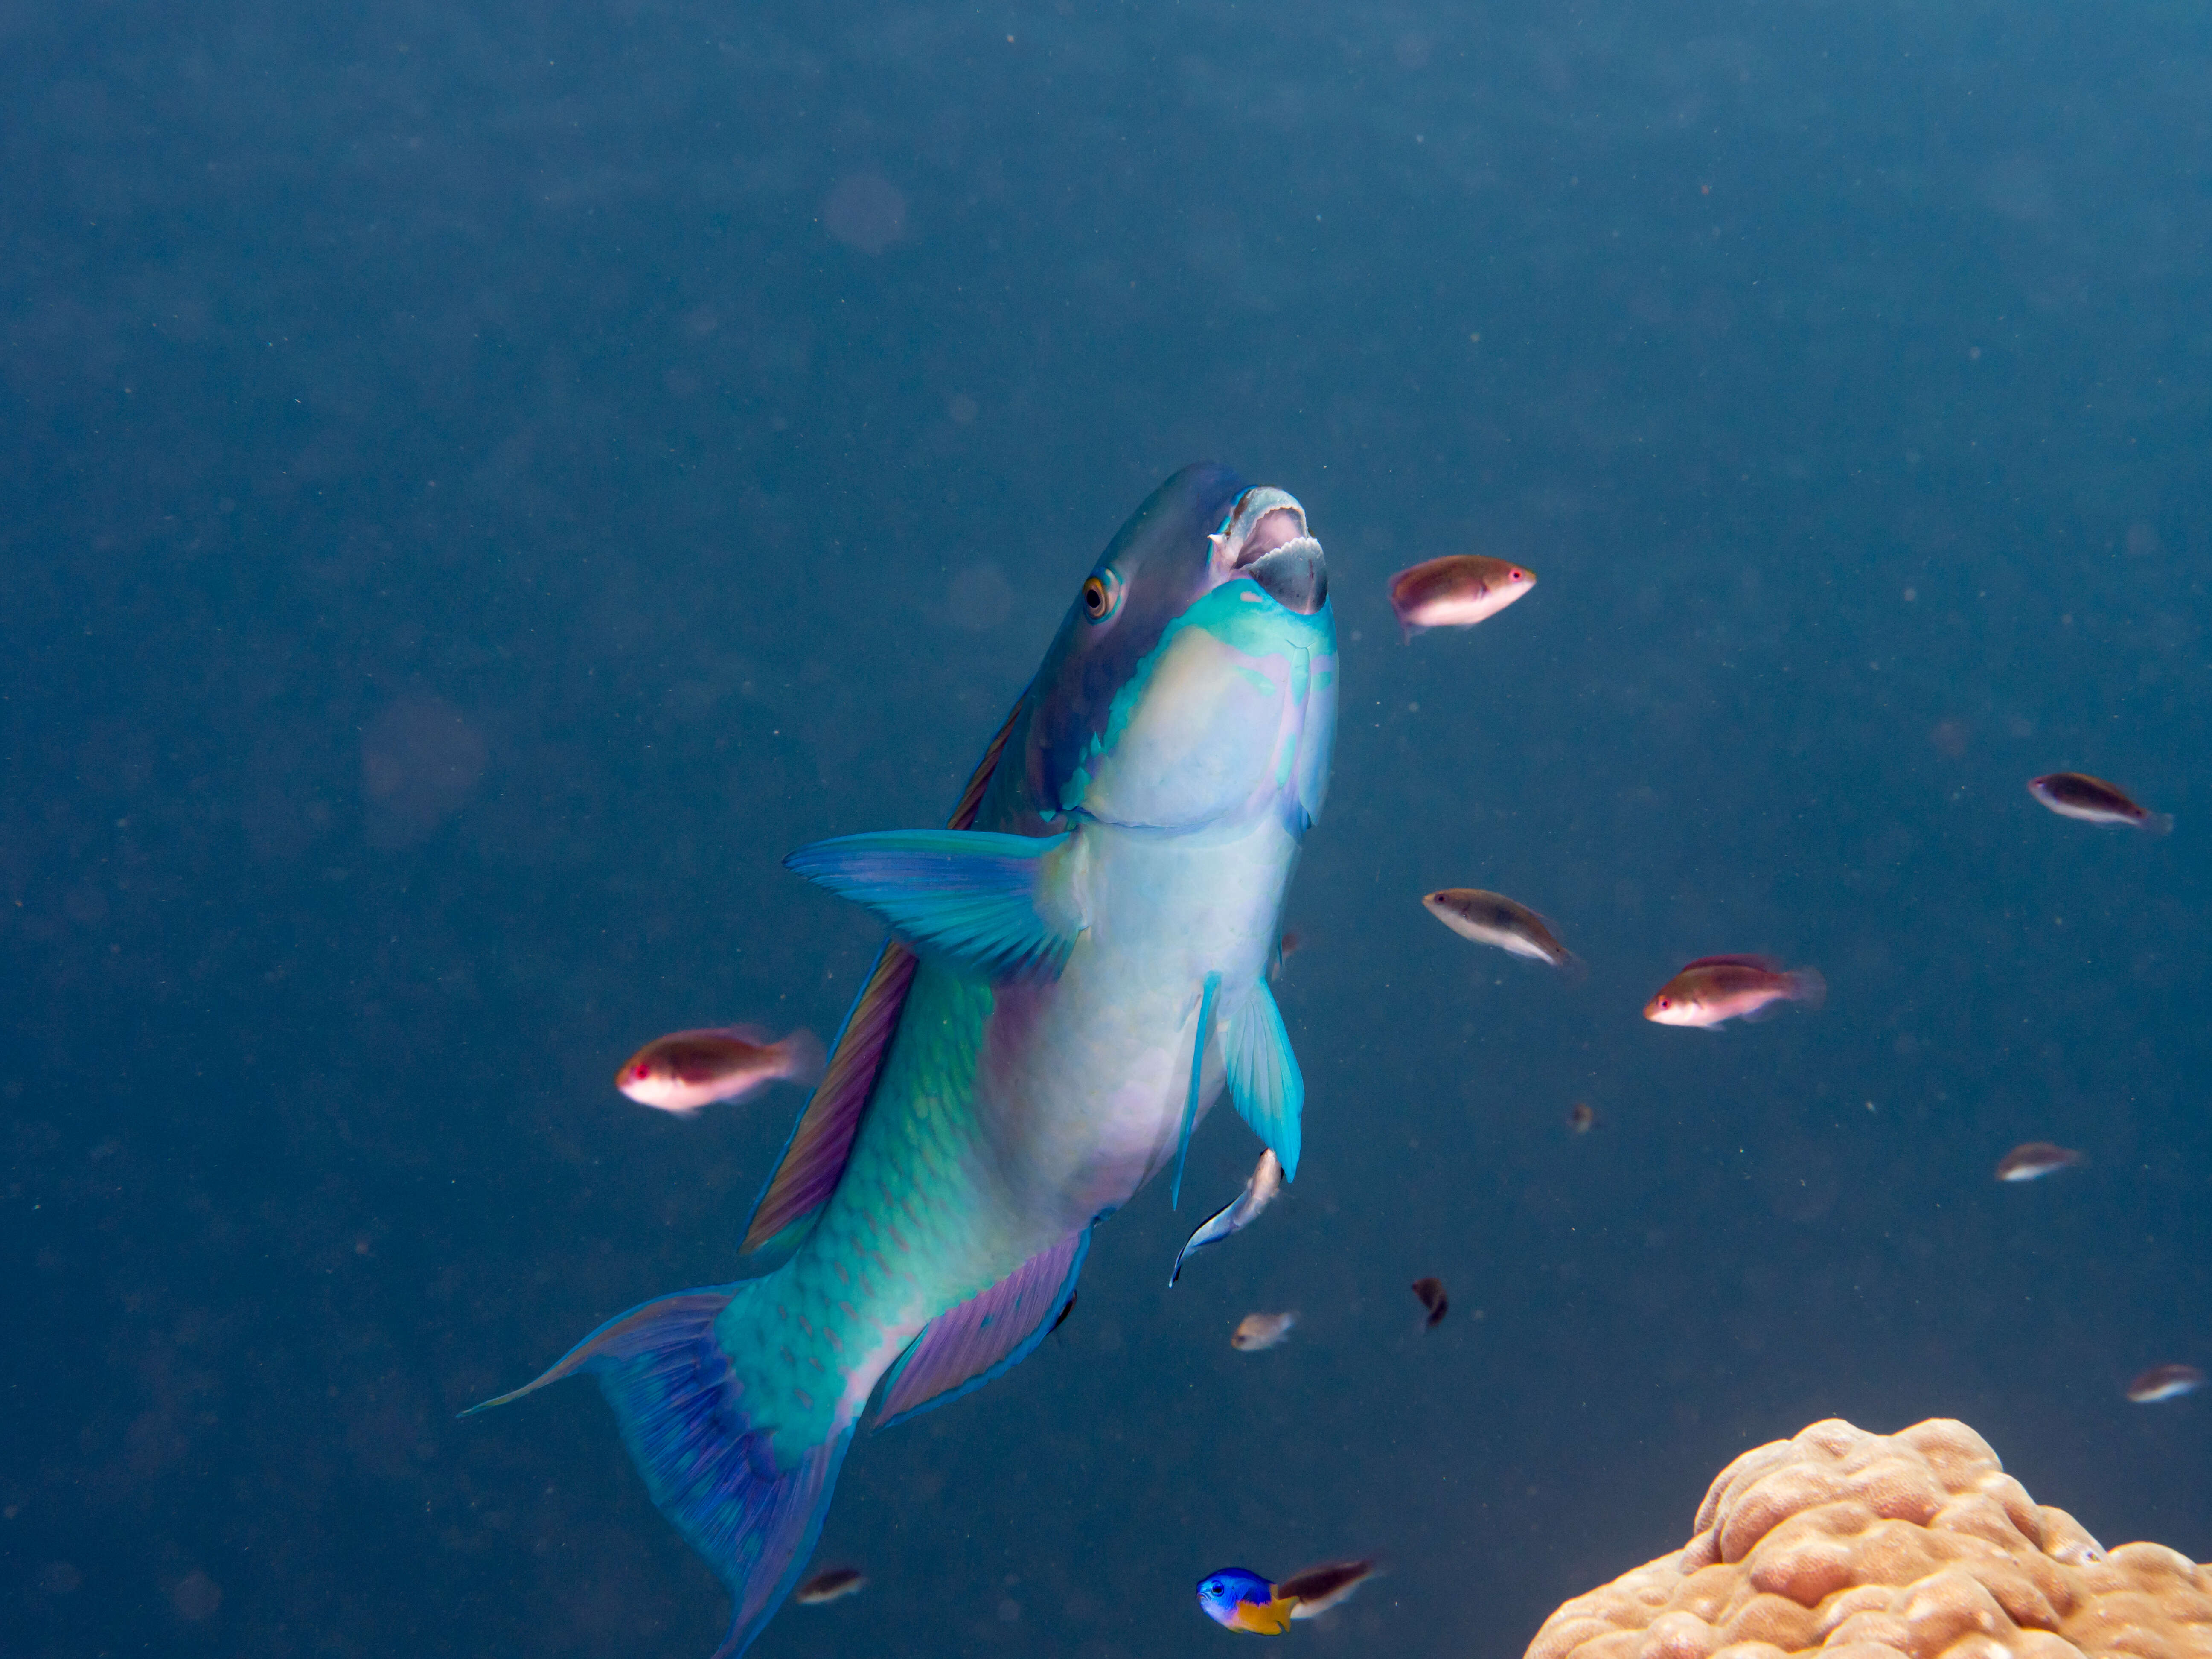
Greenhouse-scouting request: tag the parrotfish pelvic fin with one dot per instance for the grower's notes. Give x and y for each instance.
(985, 1336)
(994, 905)
(687, 1409)
(813, 1159)
(1264, 1079)
(1197, 1072)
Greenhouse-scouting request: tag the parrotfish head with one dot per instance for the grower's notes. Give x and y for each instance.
(1194, 680)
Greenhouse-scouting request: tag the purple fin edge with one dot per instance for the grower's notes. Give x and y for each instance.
(985, 1336)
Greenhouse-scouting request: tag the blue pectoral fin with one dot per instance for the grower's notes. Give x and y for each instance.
(1000, 907)
(1263, 1075)
(691, 1420)
(1197, 1074)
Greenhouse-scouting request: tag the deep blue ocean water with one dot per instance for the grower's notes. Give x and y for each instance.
(483, 482)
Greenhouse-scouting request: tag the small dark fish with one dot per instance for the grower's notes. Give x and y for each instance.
(2077, 795)
(1456, 592)
(1061, 1318)
(686, 1070)
(1581, 1118)
(1431, 1293)
(1318, 1589)
(1493, 918)
(830, 1586)
(2165, 1383)
(1285, 948)
(2032, 1158)
(1712, 990)
(1257, 1332)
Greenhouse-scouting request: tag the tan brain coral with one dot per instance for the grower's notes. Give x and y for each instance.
(1910, 1546)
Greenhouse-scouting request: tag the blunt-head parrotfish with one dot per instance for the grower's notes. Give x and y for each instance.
(686, 1070)
(1456, 591)
(1077, 969)
(1240, 1212)
(1494, 919)
(2092, 800)
(1243, 1601)
(1712, 990)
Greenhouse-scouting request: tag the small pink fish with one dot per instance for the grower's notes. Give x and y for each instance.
(1456, 592)
(686, 1070)
(1257, 1331)
(1713, 990)
(2165, 1383)
(2034, 1158)
(2092, 800)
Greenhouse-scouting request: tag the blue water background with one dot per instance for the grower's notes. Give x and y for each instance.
(482, 482)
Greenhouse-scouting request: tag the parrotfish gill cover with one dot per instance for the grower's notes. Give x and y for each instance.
(1079, 971)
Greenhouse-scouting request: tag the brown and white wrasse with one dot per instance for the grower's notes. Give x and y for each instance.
(1258, 1331)
(2165, 1383)
(1713, 990)
(2034, 1158)
(831, 1586)
(1456, 591)
(1493, 918)
(686, 1070)
(2078, 795)
(1318, 1589)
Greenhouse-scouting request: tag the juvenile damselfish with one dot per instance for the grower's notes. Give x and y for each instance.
(1079, 969)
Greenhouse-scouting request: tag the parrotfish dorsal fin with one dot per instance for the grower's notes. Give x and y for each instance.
(1264, 1079)
(966, 1346)
(814, 1158)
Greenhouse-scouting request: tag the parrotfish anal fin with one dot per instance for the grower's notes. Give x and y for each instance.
(985, 1336)
(1001, 906)
(1263, 1075)
(1197, 1072)
(814, 1158)
(683, 1409)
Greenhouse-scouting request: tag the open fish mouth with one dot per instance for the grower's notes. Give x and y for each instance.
(1266, 539)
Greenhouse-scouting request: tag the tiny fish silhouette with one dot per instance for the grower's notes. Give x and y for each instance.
(1713, 990)
(2034, 1158)
(1456, 591)
(686, 1070)
(2092, 800)
(2165, 1383)
(1256, 1332)
(831, 1586)
(1581, 1118)
(1493, 918)
(1431, 1293)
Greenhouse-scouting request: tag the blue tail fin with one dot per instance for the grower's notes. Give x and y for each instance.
(710, 1464)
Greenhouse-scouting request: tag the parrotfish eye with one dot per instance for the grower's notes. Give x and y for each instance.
(1101, 594)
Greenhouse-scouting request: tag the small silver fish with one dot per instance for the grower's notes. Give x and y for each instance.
(1257, 1331)
(831, 1586)
(686, 1070)
(2092, 800)
(1456, 591)
(2034, 1158)
(1241, 1211)
(1493, 918)
(2165, 1383)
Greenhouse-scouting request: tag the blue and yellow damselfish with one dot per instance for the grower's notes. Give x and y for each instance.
(1078, 968)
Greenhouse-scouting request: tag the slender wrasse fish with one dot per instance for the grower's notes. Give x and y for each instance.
(1079, 967)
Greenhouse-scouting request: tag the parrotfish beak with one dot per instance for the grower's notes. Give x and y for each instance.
(1266, 539)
